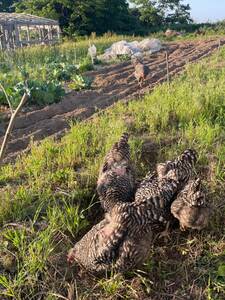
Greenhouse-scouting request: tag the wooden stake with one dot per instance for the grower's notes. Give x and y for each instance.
(10, 126)
(218, 52)
(167, 67)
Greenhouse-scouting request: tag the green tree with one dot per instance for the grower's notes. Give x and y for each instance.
(7, 5)
(163, 12)
(83, 16)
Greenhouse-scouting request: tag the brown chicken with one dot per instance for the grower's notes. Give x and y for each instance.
(141, 71)
(191, 207)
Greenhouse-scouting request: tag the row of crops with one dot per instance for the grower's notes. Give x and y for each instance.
(43, 70)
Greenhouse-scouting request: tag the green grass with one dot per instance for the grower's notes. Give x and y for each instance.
(50, 197)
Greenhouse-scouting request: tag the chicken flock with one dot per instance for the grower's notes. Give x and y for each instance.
(135, 211)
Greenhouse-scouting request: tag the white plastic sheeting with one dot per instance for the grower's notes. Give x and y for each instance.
(131, 48)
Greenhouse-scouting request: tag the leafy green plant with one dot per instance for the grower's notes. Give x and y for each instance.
(79, 83)
(40, 92)
(60, 71)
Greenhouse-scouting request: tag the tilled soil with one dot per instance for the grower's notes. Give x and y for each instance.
(110, 84)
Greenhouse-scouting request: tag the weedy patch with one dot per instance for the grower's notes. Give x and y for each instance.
(48, 201)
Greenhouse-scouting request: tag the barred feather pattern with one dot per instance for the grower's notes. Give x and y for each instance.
(125, 250)
(155, 187)
(86, 252)
(130, 251)
(116, 186)
(182, 166)
(133, 252)
(190, 207)
(116, 182)
(119, 152)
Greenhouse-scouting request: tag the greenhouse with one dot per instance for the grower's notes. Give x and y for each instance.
(19, 30)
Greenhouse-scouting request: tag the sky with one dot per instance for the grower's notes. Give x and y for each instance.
(207, 10)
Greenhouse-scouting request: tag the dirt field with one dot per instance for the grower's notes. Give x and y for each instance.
(110, 84)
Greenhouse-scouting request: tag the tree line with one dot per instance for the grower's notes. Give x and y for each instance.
(82, 17)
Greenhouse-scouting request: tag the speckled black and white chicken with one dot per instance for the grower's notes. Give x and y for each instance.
(123, 238)
(190, 207)
(141, 71)
(112, 244)
(174, 173)
(89, 248)
(116, 181)
(181, 170)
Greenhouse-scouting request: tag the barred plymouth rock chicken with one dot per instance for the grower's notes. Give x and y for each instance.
(183, 166)
(179, 170)
(119, 242)
(191, 207)
(91, 254)
(116, 182)
(89, 248)
(141, 71)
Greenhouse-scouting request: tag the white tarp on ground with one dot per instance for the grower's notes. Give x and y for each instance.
(131, 48)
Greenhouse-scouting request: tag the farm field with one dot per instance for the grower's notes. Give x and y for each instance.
(48, 198)
(46, 68)
(109, 84)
